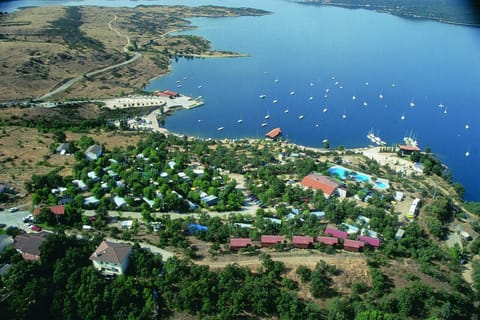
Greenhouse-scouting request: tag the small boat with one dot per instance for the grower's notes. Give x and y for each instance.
(311, 84)
(412, 104)
(300, 117)
(344, 116)
(366, 83)
(239, 121)
(365, 103)
(467, 126)
(264, 124)
(325, 110)
(325, 140)
(310, 98)
(263, 96)
(341, 87)
(337, 83)
(276, 80)
(393, 85)
(445, 111)
(178, 81)
(353, 97)
(441, 105)
(220, 128)
(327, 90)
(275, 100)
(380, 96)
(179, 85)
(286, 110)
(267, 116)
(402, 117)
(325, 96)
(199, 120)
(467, 154)
(199, 87)
(292, 93)
(316, 126)
(184, 78)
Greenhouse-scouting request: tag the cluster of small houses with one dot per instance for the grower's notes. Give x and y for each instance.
(332, 237)
(95, 151)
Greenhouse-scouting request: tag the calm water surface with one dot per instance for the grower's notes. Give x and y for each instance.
(313, 61)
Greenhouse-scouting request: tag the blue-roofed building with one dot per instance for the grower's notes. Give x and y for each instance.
(194, 228)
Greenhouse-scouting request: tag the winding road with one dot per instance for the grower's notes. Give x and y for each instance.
(71, 82)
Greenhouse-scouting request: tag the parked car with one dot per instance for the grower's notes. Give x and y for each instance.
(13, 209)
(36, 228)
(27, 218)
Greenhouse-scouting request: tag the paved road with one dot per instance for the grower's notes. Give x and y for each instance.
(71, 82)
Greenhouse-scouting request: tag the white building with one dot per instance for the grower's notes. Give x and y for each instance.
(111, 258)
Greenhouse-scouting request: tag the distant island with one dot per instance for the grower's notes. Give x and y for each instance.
(448, 11)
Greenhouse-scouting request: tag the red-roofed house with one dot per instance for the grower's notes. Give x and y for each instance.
(336, 233)
(28, 245)
(407, 150)
(327, 184)
(170, 93)
(302, 241)
(373, 242)
(329, 241)
(274, 134)
(57, 210)
(352, 245)
(111, 257)
(240, 243)
(270, 241)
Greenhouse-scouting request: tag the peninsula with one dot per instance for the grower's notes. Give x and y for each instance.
(97, 52)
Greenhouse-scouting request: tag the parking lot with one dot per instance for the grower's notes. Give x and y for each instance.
(13, 218)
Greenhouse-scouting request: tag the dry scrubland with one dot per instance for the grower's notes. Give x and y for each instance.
(35, 59)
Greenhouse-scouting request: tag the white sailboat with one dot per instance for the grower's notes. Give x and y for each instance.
(300, 117)
(365, 103)
(402, 117)
(325, 109)
(412, 104)
(275, 100)
(354, 98)
(220, 128)
(467, 126)
(286, 110)
(310, 98)
(445, 111)
(239, 121)
(267, 116)
(292, 93)
(264, 124)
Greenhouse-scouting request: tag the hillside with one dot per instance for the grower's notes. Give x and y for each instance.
(464, 12)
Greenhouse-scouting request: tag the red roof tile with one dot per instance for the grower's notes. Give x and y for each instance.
(271, 239)
(353, 244)
(319, 182)
(327, 240)
(273, 134)
(240, 242)
(374, 242)
(302, 240)
(336, 233)
(58, 209)
(409, 148)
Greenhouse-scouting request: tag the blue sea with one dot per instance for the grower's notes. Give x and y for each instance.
(347, 72)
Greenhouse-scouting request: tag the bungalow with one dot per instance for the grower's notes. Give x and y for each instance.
(62, 148)
(119, 201)
(407, 149)
(126, 225)
(328, 185)
(353, 245)
(80, 184)
(274, 134)
(373, 242)
(93, 176)
(270, 241)
(318, 214)
(93, 152)
(302, 241)
(399, 234)
(273, 220)
(169, 93)
(28, 245)
(329, 241)
(240, 243)
(111, 258)
(91, 201)
(336, 233)
(351, 229)
(57, 210)
(209, 200)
